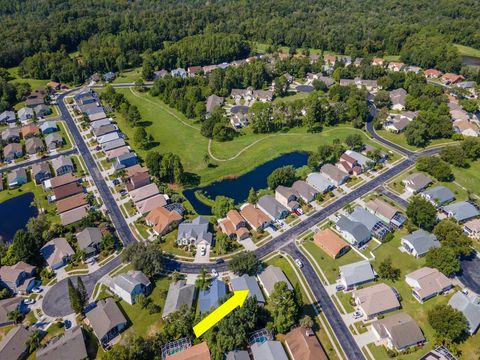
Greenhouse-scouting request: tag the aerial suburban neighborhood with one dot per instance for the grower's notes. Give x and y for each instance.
(240, 181)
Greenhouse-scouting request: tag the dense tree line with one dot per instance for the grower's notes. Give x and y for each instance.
(132, 27)
(11, 93)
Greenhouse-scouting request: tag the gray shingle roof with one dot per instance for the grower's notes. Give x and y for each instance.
(422, 241)
(210, 297)
(462, 210)
(179, 293)
(246, 282)
(237, 355)
(357, 273)
(272, 207)
(197, 229)
(469, 308)
(439, 194)
(89, 236)
(364, 217)
(13, 345)
(269, 350)
(128, 281)
(105, 316)
(270, 276)
(358, 230)
(70, 346)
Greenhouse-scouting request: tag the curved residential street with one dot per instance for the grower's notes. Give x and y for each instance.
(56, 301)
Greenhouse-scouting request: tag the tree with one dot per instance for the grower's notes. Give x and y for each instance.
(180, 323)
(416, 134)
(284, 308)
(171, 168)
(82, 293)
(244, 263)
(306, 322)
(451, 235)
(37, 227)
(354, 142)
(387, 271)
(140, 137)
(203, 280)
(15, 315)
(444, 259)
(26, 248)
(436, 167)
(222, 205)
(33, 340)
(449, 323)
(454, 155)
(148, 68)
(422, 213)
(282, 176)
(471, 148)
(147, 258)
(153, 162)
(252, 196)
(74, 296)
(382, 99)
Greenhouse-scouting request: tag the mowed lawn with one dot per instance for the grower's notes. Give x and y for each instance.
(34, 83)
(399, 139)
(469, 177)
(468, 51)
(172, 135)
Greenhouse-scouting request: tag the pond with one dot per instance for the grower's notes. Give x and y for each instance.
(14, 215)
(238, 188)
(305, 88)
(470, 60)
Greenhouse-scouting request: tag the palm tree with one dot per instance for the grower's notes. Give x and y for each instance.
(15, 316)
(202, 280)
(306, 322)
(33, 341)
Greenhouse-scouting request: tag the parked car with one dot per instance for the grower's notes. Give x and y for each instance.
(37, 290)
(67, 324)
(465, 291)
(203, 250)
(116, 181)
(219, 261)
(299, 263)
(29, 301)
(214, 273)
(299, 211)
(357, 315)
(339, 287)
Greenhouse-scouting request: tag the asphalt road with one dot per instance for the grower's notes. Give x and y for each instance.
(56, 302)
(398, 200)
(36, 161)
(470, 275)
(344, 337)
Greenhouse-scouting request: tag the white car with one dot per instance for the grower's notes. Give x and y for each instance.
(29, 301)
(357, 315)
(214, 273)
(203, 250)
(299, 263)
(37, 290)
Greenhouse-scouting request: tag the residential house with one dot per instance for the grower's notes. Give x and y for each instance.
(209, 68)
(432, 73)
(16, 178)
(108, 137)
(104, 130)
(113, 144)
(70, 346)
(461, 211)
(354, 232)
(459, 114)
(378, 61)
(269, 350)
(334, 174)
(42, 110)
(213, 102)
(180, 72)
(162, 220)
(64, 191)
(255, 217)
(396, 123)
(237, 355)
(25, 114)
(147, 205)
(7, 117)
(7, 306)
(320, 182)
(234, 225)
(374, 225)
(34, 146)
(59, 181)
(73, 216)
(57, 252)
(130, 284)
(451, 79)
(106, 320)
(385, 212)
(160, 74)
(137, 180)
(125, 160)
(97, 116)
(89, 240)
(330, 59)
(10, 135)
(14, 343)
(398, 332)
(469, 306)
(306, 192)
(330, 243)
(113, 154)
(398, 98)
(18, 278)
(144, 192)
(376, 300)
(109, 76)
(30, 130)
(247, 282)
(35, 98)
(427, 283)
(41, 172)
(48, 127)
(272, 208)
(195, 352)
(54, 141)
(287, 197)
(438, 195)
(179, 293)
(360, 159)
(355, 274)
(99, 123)
(302, 344)
(416, 182)
(71, 202)
(62, 165)
(270, 276)
(396, 66)
(210, 298)
(472, 228)
(194, 232)
(466, 128)
(414, 69)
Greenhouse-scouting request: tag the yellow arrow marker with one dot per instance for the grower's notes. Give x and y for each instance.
(218, 314)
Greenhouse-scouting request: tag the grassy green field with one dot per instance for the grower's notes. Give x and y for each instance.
(128, 76)
(34, 83)
(400, 140)
(468, 51)
(469, 177)
(172, 132)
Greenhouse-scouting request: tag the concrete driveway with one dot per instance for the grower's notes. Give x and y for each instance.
(201, 259)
